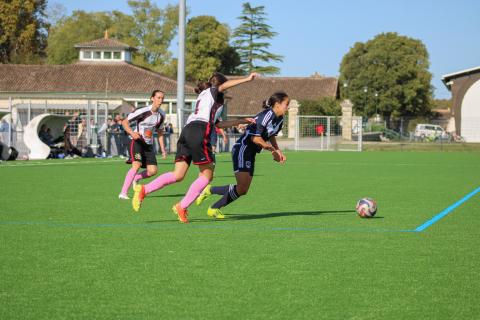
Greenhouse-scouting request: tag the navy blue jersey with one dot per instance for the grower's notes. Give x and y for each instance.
(267, 125)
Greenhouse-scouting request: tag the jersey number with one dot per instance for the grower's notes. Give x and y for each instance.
(196, 106)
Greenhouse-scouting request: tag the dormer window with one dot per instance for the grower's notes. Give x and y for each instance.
(105, 49)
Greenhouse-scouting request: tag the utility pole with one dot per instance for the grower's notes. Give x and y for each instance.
(181, 63)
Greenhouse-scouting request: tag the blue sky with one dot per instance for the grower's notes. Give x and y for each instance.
(314, 35)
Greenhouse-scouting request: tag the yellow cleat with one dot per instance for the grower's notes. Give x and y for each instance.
(138, 196)
(204, 195)
(215, 213)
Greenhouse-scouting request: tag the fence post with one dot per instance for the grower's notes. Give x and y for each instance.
(297, 133)
(29, 111)
(10, 129)
(328, 132)
(360, 133)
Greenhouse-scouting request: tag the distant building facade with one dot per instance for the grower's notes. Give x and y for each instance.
(465, 88)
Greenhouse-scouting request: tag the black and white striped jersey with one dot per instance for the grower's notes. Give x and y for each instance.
(145, 121)
(208, 107)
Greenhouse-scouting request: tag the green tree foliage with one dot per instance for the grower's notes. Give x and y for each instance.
(149, 29)
(389, 75)
(250, 41)
(80, 27)
(154, 29)
(23, 30)
(207, 49)
(323, 107)
(442, 104)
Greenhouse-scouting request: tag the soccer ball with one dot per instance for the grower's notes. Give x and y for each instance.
(366, 207)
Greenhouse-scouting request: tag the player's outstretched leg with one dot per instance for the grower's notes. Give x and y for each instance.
(230, 194)
(126, 184)
(204, 195)
(193, 192)
(140, 191)
(139, 176)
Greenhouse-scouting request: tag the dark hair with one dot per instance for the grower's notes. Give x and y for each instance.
(277, 97)
(155, 92)
(215, 80)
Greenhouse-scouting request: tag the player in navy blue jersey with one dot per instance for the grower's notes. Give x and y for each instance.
(140, 125)
(257, 137)
(194, 143)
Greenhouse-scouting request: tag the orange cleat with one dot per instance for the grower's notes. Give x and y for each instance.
(138, 196)
(181, 213)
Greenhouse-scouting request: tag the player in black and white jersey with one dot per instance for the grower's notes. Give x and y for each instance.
(257, 137)
(140, 126)
(194, 143)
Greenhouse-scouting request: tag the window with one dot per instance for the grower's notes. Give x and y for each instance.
(87, 54)
(97, 55)
(117, 55)
(107, 55)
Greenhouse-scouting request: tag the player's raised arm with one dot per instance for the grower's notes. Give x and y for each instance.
(232, 83)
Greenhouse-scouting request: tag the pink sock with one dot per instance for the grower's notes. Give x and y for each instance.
(128, 180)
(194, 191)
(141, 175)
(160, 182)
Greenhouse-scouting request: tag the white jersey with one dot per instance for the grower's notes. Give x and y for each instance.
(144, 121)
(208, 107)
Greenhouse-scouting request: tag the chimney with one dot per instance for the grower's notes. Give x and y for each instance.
(106, 35)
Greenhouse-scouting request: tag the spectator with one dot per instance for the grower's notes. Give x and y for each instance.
(82, 136)
(167, 134)
(69, 149)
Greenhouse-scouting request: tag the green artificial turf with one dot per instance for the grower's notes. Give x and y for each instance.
(293, 248)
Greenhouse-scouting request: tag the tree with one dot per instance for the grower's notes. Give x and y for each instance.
(326, 106)
(251, 43)
(389, 75)
(207, 49)
(23, 29)
(154, 29)
(81, 27)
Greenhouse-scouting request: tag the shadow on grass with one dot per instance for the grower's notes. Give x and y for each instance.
(287, 214)
(246, 216)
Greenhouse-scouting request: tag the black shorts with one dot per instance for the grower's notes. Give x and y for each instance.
(142, 152)
(194, 144)
(243, 158)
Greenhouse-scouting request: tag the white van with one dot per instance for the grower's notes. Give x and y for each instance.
(429, 131)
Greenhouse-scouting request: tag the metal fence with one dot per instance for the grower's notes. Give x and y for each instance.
(420, 130)
(324, 133)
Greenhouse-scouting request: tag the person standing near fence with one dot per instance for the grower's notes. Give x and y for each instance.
(256, 137)
(139, 125)
(168, 137)
(194, 144)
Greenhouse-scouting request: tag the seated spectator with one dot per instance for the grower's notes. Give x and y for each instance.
(69, 149)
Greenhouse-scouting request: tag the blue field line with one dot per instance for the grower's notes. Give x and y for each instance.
(446, 211)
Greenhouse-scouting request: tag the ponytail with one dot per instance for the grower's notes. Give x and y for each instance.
(202, 85)
(277, 97)
(215, 80)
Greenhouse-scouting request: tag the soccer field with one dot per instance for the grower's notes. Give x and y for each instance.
(293, 248)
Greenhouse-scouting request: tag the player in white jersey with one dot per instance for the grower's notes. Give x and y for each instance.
(194, 143)
(140, 125)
